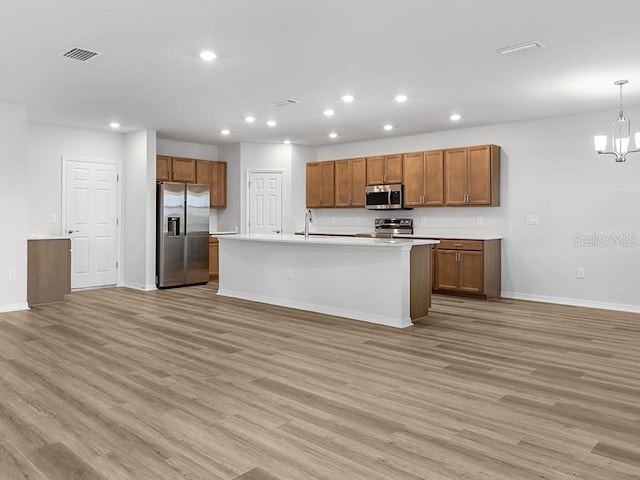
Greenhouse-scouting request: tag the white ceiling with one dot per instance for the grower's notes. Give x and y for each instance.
(441, 53)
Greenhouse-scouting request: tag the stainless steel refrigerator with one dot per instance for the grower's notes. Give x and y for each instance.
(182, 240)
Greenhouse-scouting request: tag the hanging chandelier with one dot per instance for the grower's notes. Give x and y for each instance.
(621, 131)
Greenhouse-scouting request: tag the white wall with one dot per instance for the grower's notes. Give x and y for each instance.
(229, 218)
(47, 144)
(549, 169)
(13, 204)
(139, 218)
(300, 156)
(200, 151)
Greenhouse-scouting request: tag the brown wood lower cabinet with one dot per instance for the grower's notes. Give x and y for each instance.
(470, 267)
(213, 256)
(48, 270)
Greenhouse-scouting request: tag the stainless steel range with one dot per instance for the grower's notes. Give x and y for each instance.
(388, 227)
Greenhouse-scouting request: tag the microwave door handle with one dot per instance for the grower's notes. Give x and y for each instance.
(389, 201)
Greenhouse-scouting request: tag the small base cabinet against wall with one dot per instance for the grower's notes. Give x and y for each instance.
(468, 267)
(48, 270)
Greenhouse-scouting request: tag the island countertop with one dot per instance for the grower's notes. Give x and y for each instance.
(338, 240)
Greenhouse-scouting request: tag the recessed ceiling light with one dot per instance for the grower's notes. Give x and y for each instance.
(225, 131)
(114, 125)
(328, 112)
(401, 98)
(388, 127)
(333, 135)
(455, 117)
(271, 123)
(287, 142)
(208, 55)
(249, 119)
(347, 98)
(520, 47)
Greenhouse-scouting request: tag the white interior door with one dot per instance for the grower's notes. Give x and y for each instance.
(91, 213)
(265, 202)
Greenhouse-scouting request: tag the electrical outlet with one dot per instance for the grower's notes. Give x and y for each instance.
(12, 275)
(478, 219)
(423, 220)
(580, 272)
(53, 218)
(289, 273)
(333, 220)
(531, 220)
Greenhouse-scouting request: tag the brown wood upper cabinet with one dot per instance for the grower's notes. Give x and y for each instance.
(384, 169)
(203, 171)
(472, 176)
(163, 168)
(320, 184)
(423, 178)
(217, 184)
(350, 182)
(184, 170)
(171, 169)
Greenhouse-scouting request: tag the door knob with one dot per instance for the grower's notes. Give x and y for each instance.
(72, 231)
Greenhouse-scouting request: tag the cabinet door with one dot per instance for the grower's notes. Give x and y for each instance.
(327, 188)
(479, 175)
(163, 168)
(393, 169)
(455, 176)
(447, 270)
(358, 181)
(375, 170)
(342, 183)
(314, 184)
(414, 177)
(218, 184)
(184, 170)
(470, 272)
(433, 178)
(213, 257)
(203, 173)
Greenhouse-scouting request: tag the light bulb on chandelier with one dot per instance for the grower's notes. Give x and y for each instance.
(621, 131)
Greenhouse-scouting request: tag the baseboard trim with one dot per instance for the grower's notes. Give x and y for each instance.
(352, 314)
(16, 307)
(139, 286)
(575, 302)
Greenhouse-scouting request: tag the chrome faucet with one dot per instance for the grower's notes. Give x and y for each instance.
(307, 220)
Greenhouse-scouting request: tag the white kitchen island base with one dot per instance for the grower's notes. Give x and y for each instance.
(374, 280)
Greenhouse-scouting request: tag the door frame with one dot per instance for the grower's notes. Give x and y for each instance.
(247, 213)
(63, 214)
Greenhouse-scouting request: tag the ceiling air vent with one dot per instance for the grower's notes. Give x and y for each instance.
(284, 103)
(80, 54)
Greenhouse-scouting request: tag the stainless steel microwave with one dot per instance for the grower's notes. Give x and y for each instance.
(384, 197)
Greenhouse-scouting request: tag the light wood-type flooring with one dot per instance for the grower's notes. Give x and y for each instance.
(181, 384)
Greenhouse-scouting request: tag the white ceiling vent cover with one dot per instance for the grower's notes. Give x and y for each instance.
(80, 54)
(284, 103)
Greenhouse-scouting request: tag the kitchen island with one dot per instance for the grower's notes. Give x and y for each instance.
(384, 281)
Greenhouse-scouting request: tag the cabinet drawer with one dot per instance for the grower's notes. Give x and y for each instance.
(460, 245)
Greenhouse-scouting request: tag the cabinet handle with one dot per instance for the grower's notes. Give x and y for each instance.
(457, 244)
